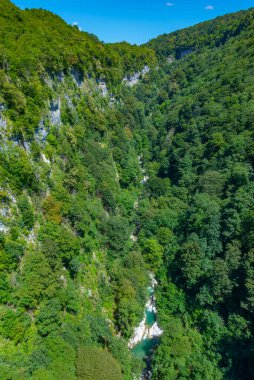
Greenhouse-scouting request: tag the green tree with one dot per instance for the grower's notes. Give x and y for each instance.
(153, 254)
(94, 363)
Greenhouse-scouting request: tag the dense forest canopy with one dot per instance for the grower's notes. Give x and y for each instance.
(80, 123)
(210, 34)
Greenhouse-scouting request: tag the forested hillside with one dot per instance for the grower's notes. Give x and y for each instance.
(70, 279)
(200, 207)
(209, 34)
(80, 122)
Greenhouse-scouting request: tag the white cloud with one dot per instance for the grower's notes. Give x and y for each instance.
(209, 7)
(169, 4)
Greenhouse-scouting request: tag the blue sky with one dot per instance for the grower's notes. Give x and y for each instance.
(136, 21)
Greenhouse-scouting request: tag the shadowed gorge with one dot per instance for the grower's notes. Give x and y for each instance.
(118, 163)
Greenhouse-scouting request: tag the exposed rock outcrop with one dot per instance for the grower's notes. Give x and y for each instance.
(41, 133)
(3, 123)
(3, 228)
(55, 112)
(77, 76)
(183, 51)
(132, 80)
(102, 86)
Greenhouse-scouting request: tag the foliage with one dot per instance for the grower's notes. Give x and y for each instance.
(93, 363)
(80, 226)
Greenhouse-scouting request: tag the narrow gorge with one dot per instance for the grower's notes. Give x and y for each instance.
(126, 201)
(146, 336)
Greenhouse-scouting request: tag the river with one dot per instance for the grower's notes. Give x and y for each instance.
(146, 336)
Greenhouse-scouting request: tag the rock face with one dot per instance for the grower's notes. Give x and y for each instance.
(78, 77)
(102, 86)
(4, 212)
(132, 80)
(45, 159)
(145, 70)
(3, 228)
(55, 112)
(3, 123)
(69, 101)
(27, 147)
(41, 133)
(60, 76)
(183, 51)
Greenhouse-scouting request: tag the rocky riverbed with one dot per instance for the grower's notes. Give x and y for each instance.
(146, 335)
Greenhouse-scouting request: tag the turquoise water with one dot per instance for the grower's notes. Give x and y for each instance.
(150, 318)
(144, 349)
(150, 315)
(150, 291)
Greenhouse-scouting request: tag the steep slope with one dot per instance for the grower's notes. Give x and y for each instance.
(208, 34)
(79, 122)
(201, 206)
(69, 177)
